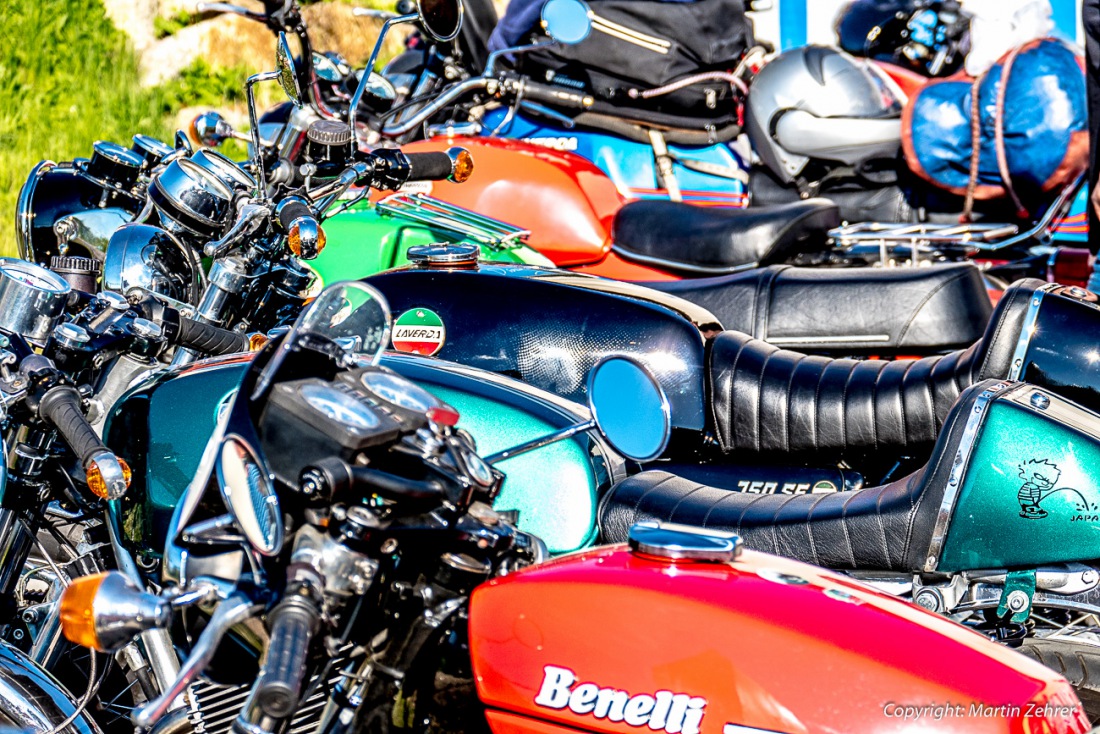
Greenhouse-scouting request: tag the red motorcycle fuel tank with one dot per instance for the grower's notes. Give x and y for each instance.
(624, 642)
(565, 201)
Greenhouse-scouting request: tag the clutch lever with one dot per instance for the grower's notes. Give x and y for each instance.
(249, 218)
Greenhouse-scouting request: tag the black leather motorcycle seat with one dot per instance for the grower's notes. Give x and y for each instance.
(876, 528)
(765, 399)
(849, 310)
(697, 239)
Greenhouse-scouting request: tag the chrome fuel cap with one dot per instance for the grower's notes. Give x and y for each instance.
(444, 255)
(683, 543)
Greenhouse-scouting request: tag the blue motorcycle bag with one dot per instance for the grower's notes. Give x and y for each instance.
(1031, 134)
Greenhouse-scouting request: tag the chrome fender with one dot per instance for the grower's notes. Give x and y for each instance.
(32, 700)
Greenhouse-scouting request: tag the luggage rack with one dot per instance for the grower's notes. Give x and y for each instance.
(912, 240)
(442, 215)
(936, 238)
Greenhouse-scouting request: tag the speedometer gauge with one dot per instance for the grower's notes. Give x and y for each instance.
(397, 390)
(339, 406)
(32, 298)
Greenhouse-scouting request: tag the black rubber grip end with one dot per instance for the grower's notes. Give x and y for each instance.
(210, 339)
(429, 166)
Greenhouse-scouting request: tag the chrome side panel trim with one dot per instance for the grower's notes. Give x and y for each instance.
(1028, 330)
(959, 465)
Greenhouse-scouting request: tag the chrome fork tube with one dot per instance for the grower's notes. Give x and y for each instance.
(228, 277)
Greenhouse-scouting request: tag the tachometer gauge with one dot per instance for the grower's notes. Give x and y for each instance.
(339, 406)
(32, 298)
(391, 388)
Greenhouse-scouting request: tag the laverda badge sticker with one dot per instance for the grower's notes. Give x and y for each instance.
(419, 331)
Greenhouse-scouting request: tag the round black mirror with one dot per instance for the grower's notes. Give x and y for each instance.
(566, 21)
(249, 495)
(288, 74)
(629, 407)
(441, 19)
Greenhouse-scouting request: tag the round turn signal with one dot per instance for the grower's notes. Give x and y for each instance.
(98, 485)
(257, 341)
(306, 244)
(463, 164)
(78, 612)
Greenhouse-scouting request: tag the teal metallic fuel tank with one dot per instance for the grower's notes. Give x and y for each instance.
(162, 426)
(1025, 487)
(369, 238)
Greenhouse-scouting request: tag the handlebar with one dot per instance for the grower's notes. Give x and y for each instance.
(294, 621)
(230, 8)
(61, 407)
(210, 339)
(291, 210)
(557, 96)
(430, 166)
(188, 333)
(507, 85)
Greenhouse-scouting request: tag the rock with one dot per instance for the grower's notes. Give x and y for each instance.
(230, 40)
(135, 19)
(227, 40)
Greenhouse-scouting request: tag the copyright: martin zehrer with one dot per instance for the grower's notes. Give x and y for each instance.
(940, 711)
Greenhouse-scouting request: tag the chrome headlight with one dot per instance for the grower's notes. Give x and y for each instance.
(188, 197)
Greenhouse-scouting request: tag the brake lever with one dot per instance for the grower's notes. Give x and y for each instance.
(247, 222)
(235, 609)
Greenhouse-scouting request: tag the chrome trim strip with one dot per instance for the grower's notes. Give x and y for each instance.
(24, 216)
(1059, 409)
(797, 340)
(959, 466)
(677, 265)
(1027, 331)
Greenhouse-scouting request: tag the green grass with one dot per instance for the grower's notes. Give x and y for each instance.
(68, 78)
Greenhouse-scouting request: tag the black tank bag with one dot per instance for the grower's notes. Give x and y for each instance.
(640, 45)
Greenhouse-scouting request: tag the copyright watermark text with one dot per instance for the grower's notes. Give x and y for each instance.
(941, 711)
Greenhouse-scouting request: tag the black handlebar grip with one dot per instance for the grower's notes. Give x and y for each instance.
(294, 621)
(290, 211)
(210, 339)
(557, 96)
(429, 166)
(61, 407)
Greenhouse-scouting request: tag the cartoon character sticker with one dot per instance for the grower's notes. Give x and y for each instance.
(1040, 477)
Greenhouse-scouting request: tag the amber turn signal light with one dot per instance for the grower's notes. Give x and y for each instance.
(105, 611)
(463, 164)
(306, 238)
(77, 616)
(117, 479)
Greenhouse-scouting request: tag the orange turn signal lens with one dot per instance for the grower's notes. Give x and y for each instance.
(311, 245)
(98, 485)
(257, 341)
(463, 164)
(78, 610)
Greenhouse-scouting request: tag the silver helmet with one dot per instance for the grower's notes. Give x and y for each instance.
(818, 102)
